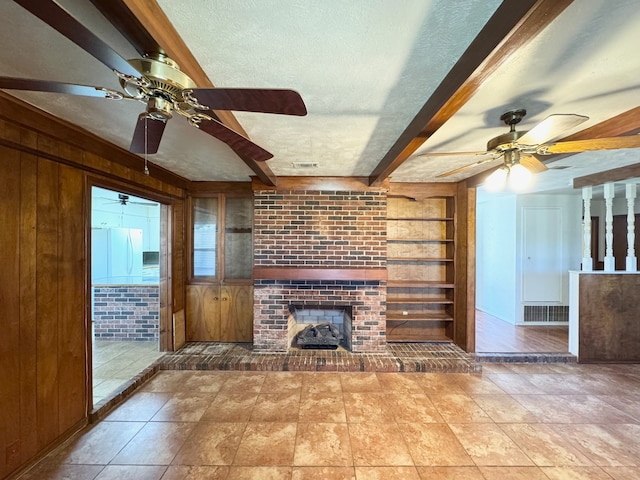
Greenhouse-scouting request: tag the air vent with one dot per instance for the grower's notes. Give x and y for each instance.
(560, 167)
(304, 164)
(546, 313)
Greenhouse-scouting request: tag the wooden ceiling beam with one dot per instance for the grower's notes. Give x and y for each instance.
(512, 26)
(145, 25)
(614, 175)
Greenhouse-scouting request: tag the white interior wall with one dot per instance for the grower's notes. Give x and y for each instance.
(496, 255)
(500, 240)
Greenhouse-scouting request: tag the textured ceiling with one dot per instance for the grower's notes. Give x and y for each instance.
(364, 68)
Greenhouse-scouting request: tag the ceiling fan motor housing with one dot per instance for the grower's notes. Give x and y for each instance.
(165, 80)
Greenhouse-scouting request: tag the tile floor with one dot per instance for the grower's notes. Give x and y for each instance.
(512, 421)
(116, 363)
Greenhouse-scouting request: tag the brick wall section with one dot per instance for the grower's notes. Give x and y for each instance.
(327, 229)
(126, 313)
(331, 229)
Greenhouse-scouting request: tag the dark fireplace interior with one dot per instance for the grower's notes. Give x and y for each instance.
(319, 326)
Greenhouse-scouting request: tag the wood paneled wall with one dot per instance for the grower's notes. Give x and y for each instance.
(45, 166)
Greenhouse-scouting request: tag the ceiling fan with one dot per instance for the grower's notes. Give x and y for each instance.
(522, 148)
(125, 200)
(157, 81)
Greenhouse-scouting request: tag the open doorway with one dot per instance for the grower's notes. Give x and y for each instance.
(125, 283)
(524, 251)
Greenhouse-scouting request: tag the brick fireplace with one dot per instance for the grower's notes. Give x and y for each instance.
(320, 248)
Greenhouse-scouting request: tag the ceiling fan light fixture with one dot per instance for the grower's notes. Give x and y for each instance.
(519, 177)
(496, 181)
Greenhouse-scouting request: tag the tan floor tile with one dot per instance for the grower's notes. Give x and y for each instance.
(378, 444)
(211, 443)
(559, 385)
(323, 444)
(185, 472)
(603, 447)
(476, 384)
(184, 407)
(387, 473)
(434, 444)
(166, 381)
(276, 407)
(259, 473)
(267, 443)
(321, 382)
(513, 473)
(233, 407)
(100, 443)
(360, 382)
(504, 409)
(623, 473)
(141, 407)
(545, 446)
(450, 473)
(205, 382)
(367, 407)
(156, 444)
(281, 382)
(438, 383)
(629, 404)
(244, 383)
(413, 408)
(322, 407)
(403, 382)
(54, 471)
(488, 445)
(323, 473)
(459, 408)
(131, 472)
(544, 409)
(514, 384)
(576, 473)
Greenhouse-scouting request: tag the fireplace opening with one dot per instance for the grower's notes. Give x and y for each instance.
(319, 327)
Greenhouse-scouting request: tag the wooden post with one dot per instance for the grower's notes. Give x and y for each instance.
(609, 259)
(587, 260)
(632, 261)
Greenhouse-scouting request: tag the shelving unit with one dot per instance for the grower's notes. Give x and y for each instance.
(420, 264)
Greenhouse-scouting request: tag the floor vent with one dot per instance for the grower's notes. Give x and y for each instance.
(546, 313)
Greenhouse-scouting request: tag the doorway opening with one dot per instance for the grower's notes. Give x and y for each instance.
(125, 284)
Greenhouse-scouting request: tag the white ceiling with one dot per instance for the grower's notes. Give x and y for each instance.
(364, 68)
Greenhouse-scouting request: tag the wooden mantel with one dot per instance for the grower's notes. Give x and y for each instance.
(316, 273)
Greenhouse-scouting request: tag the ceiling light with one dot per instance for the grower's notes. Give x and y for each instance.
(511, 172)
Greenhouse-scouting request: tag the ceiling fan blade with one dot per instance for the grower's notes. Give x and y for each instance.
(451, 154)
(466, 167)
(551, 127)
(50, 12)
(264, 100)
(9, 83)
(577, 146)
(532, 164)
(238, 143)
(147, 135)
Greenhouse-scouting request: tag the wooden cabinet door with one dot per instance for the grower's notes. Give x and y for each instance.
(203, 313)
(236, 313)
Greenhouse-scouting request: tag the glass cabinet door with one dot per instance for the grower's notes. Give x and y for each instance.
(238, 244)
(205, 228)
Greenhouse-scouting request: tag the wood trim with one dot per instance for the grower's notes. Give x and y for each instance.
(198, 189)
(131, 15)
(420, 191)
(297, 273)
(511, 27)
(17, 112)
(613, 175)
(360, 184)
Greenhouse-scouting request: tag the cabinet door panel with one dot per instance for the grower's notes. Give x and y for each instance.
(236, 313)
(203, 313)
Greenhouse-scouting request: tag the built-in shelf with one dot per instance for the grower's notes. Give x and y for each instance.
(420, 244)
